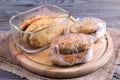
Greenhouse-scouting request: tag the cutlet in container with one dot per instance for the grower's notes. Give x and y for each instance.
(33, 30)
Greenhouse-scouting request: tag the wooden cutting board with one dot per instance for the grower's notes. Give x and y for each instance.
(40, 64)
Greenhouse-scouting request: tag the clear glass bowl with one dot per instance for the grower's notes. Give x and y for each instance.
(35, 41)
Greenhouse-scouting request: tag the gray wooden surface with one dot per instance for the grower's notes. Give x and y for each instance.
(108, 10)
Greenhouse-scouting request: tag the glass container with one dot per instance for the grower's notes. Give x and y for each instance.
(31, 40)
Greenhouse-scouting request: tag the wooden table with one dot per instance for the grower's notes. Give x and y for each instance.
(108, 10)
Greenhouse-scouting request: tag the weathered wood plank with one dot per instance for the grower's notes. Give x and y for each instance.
(37, 2)
(4, 26)
(13, 76)
(113, 15)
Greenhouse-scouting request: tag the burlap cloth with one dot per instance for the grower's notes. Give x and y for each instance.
(104, 73)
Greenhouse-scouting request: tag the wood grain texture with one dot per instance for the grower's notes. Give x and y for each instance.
(107, 10)
(40, 64)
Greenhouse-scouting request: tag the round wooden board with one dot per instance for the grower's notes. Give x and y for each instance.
(40, 64)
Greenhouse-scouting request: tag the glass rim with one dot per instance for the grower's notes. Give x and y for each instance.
(21, 31)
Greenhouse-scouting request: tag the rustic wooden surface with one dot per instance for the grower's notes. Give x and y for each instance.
(40, 64)
(108, 10)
